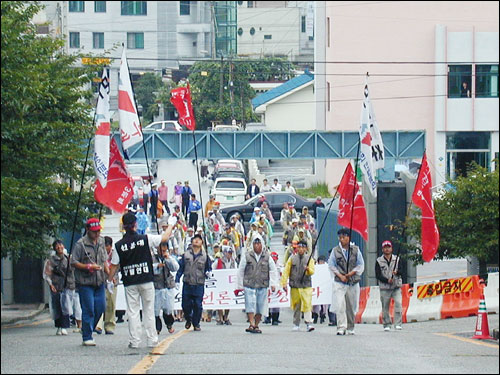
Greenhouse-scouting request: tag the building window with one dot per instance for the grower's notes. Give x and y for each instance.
(459, 81)
(240, 2)
(328, 31)
(486, 81)
(268, 36)
(328, 96)
(98, 40)
(77, 6)
(100, 6)
(185, 8)
(74, 40)
(134, 8)
(462, 148)
(252, 31)
(303, 24)
(135, 40)
(249, 4)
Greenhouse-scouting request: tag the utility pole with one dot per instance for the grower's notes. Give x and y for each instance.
(221, 89)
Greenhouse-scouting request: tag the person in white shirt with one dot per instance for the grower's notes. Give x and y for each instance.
(289, 188)
(265, 188)
(276, 186)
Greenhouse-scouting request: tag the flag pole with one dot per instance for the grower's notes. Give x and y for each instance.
(144, 146)
(80, 192)
(407, 214)
(319, 233)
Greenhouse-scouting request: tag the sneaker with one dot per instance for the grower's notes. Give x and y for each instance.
(387, 329)
(109, 333)
(398, 328)
(98, 331)
(220, 322)
(132, 346)
(228, 323)
(331, 324)
(340, 332)
(153, 345)
(64, 332)
(77, 330)
(350, 332)
(58, 332)
(310, 328)
(90, 342)
(197, 328)
(296, 329)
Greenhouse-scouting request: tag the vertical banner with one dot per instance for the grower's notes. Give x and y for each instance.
(101, 140)
(181, 99)
(130, 127)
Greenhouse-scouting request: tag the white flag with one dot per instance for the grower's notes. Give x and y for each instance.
(371, 156)
(129, 120)
(101, 141)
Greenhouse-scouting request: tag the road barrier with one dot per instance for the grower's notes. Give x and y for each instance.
(491, 293)
(452, 298)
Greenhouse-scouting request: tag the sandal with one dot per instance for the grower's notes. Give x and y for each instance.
(250, 329)
(256, 330)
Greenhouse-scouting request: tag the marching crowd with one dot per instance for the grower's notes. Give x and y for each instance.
(84, 285)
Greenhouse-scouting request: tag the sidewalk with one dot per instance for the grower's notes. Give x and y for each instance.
(17, 312)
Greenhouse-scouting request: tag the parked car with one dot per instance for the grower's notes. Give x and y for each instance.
(232, 163)
(229, 190)
(161, 126)
(228, 172)
(141, 170)
(275, 201)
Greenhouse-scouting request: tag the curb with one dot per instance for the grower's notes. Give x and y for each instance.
(30, 316)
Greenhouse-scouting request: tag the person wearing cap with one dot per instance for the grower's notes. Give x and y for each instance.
(255, 215)
(292, 231)
(89, 260)
(268, 229)
(290, 250)
(267, 212)
(146, 189)
(317, 203)
(164, 265)
(298, 271)
(388, 273)
(224, 260)
(304, 234)
(180, 216)
(347, 265)
(231, 236)
(133, 254)
(177, 198)
(194, 207)
(195, 266)
(256, 273)
(217, 221)
(274, 312)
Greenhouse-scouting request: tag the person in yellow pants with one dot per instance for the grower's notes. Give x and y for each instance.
(300, 285)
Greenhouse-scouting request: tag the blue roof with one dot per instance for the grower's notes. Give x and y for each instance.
(282, 89)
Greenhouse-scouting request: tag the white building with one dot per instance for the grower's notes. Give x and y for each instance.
(275, 28)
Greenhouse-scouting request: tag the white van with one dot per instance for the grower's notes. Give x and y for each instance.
(229, 190)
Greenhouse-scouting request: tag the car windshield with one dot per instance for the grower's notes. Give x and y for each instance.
(233, 185)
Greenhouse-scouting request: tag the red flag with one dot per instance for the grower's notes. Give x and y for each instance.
(120, 187)
(181, 99)
(422, 197)
(346, 193)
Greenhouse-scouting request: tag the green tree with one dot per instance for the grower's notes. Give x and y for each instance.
(467, 216)
(46, 125)
(146, 91)
(205, 81)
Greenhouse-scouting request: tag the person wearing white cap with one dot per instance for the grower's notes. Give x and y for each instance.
(189, 237)
(256, 273)
(255, 215)
(388, 273)
(251, 234)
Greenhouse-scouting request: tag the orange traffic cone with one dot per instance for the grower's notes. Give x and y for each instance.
(482, 328)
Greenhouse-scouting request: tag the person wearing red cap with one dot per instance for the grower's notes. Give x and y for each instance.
(388, 274)
(89, 258)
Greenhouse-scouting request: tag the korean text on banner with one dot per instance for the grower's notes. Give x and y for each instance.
(371, 155)
(101, 140)
(119, 189)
